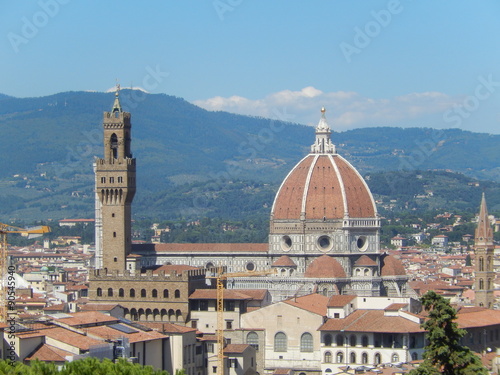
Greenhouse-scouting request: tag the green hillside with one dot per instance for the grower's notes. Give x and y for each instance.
(191, 161)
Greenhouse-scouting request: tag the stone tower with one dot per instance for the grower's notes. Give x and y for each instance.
(115, 187)
(483, 267)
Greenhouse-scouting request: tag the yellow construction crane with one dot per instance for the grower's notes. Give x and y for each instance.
(5, 229)
(220, 278)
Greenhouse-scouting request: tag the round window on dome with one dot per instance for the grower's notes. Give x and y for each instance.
(250, 266)
(362, 243)
(325, 243)
(286, 243)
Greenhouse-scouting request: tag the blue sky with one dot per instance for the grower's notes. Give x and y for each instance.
(370, 63)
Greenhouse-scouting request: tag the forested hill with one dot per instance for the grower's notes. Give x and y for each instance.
(48, 145)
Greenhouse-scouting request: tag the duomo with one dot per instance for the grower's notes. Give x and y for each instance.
(324, 237)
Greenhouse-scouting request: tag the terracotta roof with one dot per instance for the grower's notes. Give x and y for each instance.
(110, 333)
(371, 321)
(236, 348)
(71, 338)
(340, 300)
(87, 317)
(470, 317)
(202, 247)
(98, 306)
(320, 185)
(48, 353)
(282, 371)
(284, 261)
(365, 260)
(315, 303)
(396, 306)
(59, 307)
(325, 267)
(392, 266)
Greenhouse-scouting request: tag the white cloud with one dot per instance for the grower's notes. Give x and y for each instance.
(345, 110)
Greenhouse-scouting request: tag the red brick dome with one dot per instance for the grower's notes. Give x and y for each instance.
(323, 186)
(325, 267)
(392, 266)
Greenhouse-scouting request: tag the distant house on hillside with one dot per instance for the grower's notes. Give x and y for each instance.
(399, 241)
(440, 241)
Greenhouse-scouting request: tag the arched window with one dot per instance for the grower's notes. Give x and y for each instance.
(364, 358)
(280, 342)
(489, 284)
(340, 340)
(352, 340)
(353, 357)
(488, 264)
(395, 358)
(143, 292)
(132, 293)
(121, 292)
(481, 284)
(110, 292)
(177, 293)
(328, 339)
(165, 293)
(328, 357)
(378, 359)
(306, 342)
(364, 341)
(481, 264)
(253, 340)
(339, 358)
(99, 292)
(113, 143)
(154, 293)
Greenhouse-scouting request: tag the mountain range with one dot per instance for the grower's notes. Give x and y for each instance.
(49, 144)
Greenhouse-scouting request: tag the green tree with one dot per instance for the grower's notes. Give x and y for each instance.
(468, 261)
(444, 354)
(87, 366)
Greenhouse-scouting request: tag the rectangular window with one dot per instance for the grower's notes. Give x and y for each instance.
(194, 324)
(229, 324)
(103, 180)
(230, 305)
(120, 179)
(111, 180)
(210, 347)
(336, 315)
(214, 369)
(203, 305)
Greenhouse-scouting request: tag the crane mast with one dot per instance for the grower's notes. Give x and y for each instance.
(220, 278)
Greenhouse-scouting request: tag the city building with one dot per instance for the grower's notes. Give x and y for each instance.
(324, 234)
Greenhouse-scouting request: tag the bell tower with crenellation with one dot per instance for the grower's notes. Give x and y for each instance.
(115, 187)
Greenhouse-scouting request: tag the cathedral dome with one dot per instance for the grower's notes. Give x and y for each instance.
(323, 186)
(392, 266)
(325, 267)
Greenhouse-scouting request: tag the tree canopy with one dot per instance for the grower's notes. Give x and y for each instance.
(87, 366)
(444, 354)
